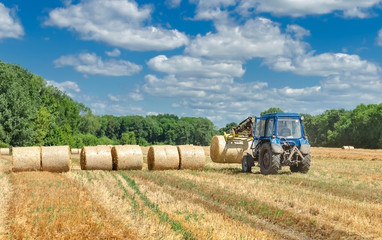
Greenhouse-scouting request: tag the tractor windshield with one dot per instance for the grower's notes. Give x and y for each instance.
(289, 128)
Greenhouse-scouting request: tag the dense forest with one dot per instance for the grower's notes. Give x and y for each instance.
(33, 113)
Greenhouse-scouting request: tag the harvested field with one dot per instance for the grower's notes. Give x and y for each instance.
(339, 153)
(339, 198)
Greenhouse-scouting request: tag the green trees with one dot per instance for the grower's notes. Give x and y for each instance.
(159, 129)
(335, 128)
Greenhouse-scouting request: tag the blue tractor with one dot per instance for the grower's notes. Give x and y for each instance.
(278, 140)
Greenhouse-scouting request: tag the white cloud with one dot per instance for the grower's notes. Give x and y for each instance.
(212, 9)
(114, 53)
(379, 37)
(134, 95)
(299, 8)
(10, 26)
(101, 108)
(68, 87)
(256, 38)
(297, 31)
(113, 98)
(173, 3)
(118, 23)
(90, 63)
(196, 67)
(324, 65)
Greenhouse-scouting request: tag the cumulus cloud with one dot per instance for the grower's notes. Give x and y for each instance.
(134, 95)
(299, 8)
(324, 65)
(114, 53)
(212, 9)
(260, 37)
(379, 37)
(90, 63)
(68, 87)
(118, 23)
(173, 3)
(10, 26)
(196, 67)
(101, 108)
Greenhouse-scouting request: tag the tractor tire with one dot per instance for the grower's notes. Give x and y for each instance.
(247, 163)
(305, 164)
(294, 168)
(269, 161)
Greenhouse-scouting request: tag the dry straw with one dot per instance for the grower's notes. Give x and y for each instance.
(26, 159)
(191, 157)
(55, 159)
(127, 157)
(163, 157)
(4, 151)
(75, 151)
(231, 151)
(96, 158)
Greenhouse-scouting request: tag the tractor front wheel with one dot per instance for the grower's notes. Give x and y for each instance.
(302, 167)
(305, 164)
(247, 163)
(269, 161)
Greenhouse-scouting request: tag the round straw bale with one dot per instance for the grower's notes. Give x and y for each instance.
(191, 157)
(351, 147)
(345, 147)
(26, 159)
(127, 157)
(163, 157)
(4, 151)
(96, 158)
(75, 151)
(228, 152)
(55, 159)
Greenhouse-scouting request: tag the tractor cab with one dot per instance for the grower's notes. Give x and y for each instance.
(280, 128)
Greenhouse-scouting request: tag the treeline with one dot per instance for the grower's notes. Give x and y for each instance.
(360, 127)
(32, 113)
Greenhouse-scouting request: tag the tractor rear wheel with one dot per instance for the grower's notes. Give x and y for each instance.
(269, 161)
(247, 163)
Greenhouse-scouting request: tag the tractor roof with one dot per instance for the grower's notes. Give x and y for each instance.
(279, 114)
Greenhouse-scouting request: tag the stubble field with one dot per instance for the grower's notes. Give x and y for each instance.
(339, 198)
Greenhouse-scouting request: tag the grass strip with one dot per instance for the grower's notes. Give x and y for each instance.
(175, 225)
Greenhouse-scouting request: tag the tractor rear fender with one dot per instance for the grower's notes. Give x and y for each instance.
(276, 148)
(305, 149)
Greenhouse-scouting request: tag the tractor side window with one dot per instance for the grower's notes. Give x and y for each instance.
(257, 130)
(269, 128)
(262, 127)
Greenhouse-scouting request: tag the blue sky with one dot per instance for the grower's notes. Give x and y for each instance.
(220, 59)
